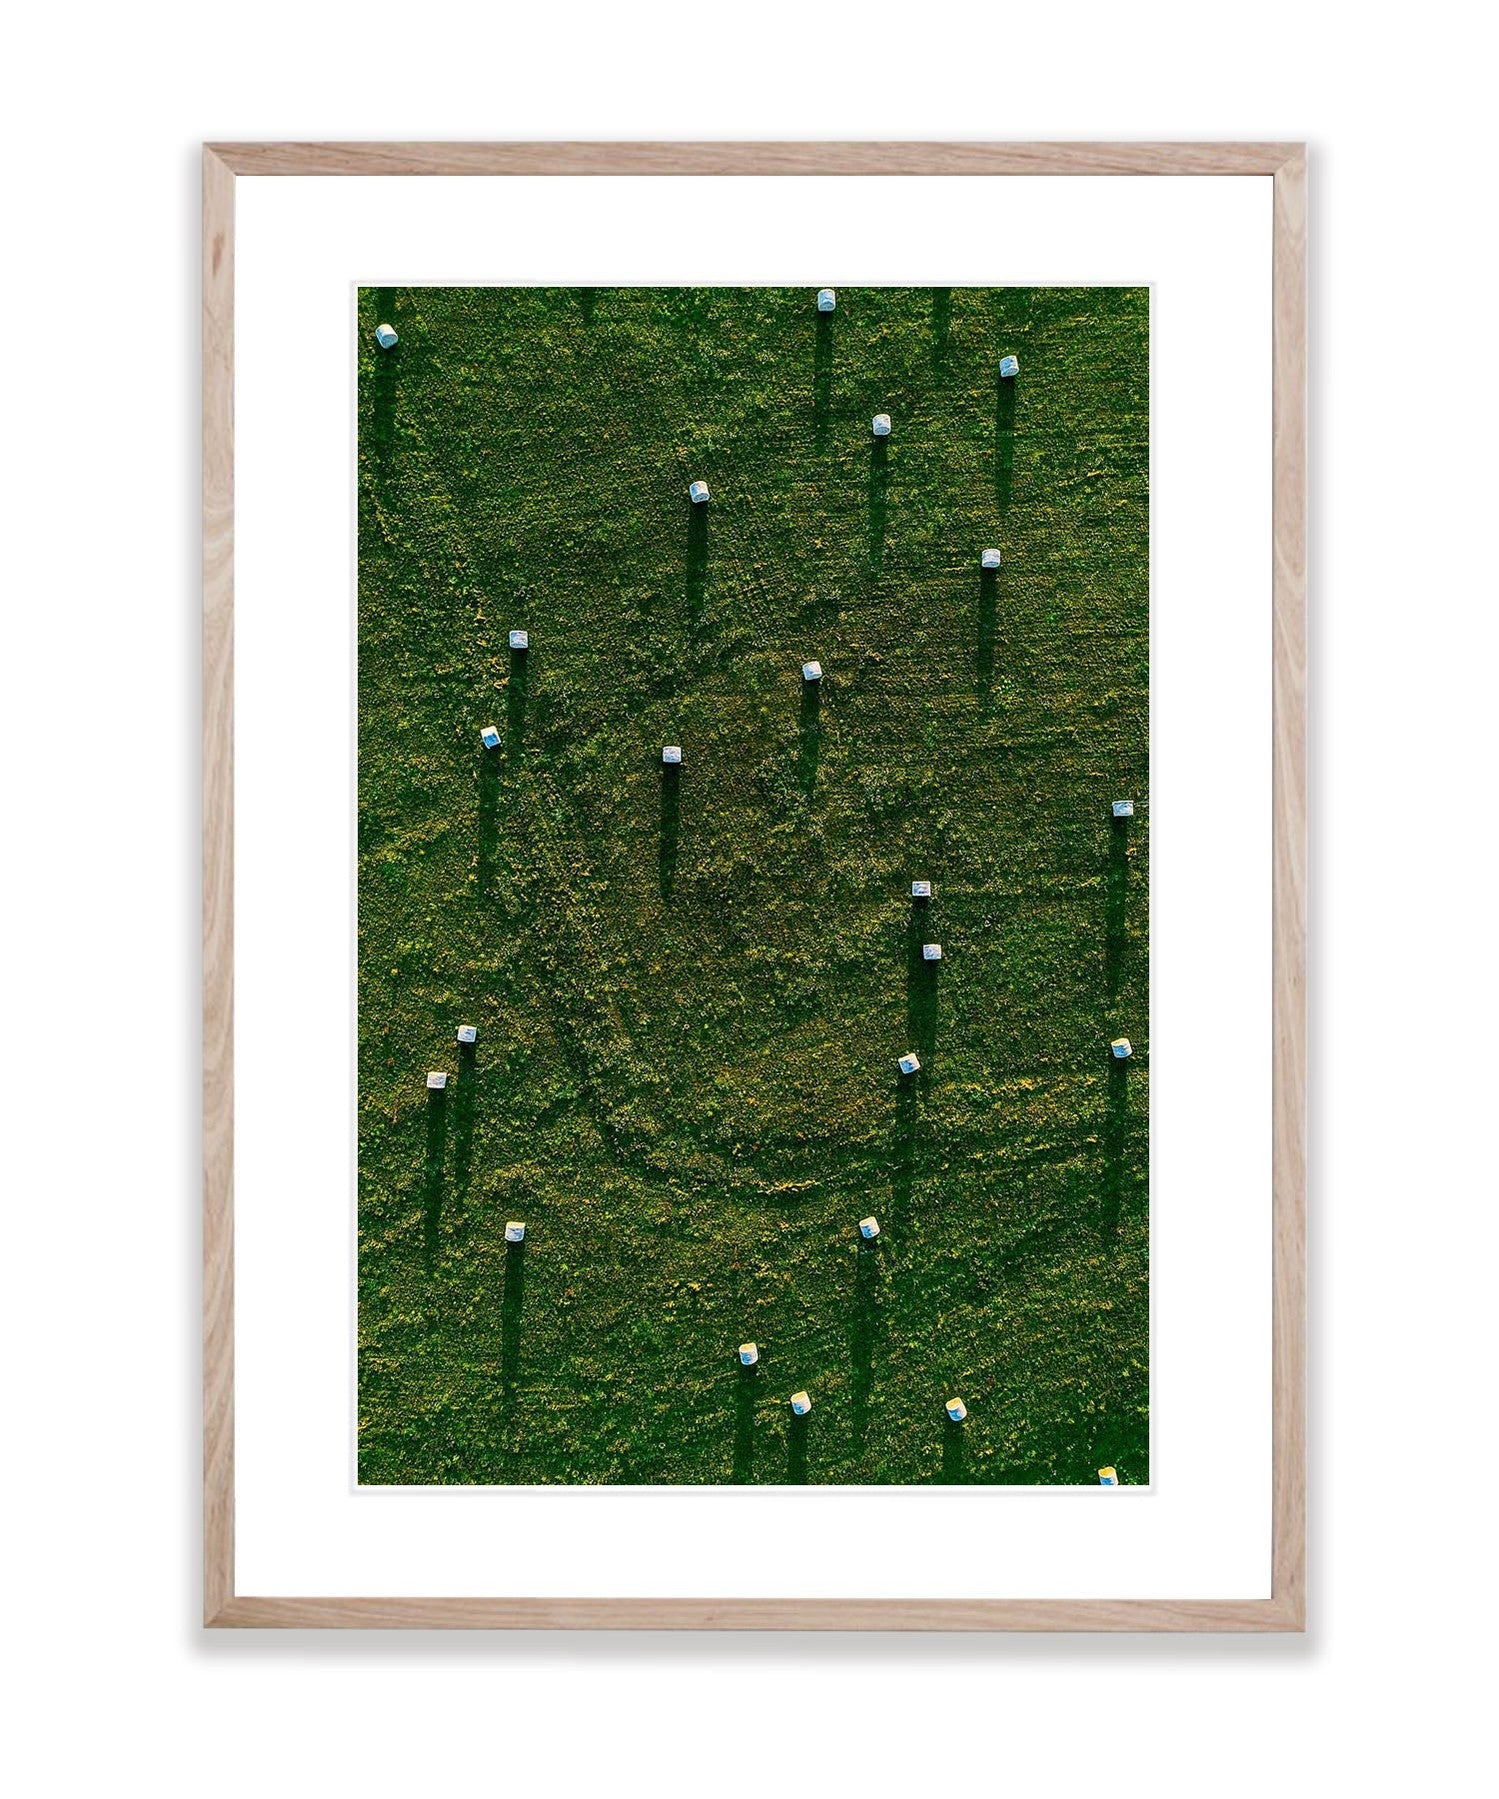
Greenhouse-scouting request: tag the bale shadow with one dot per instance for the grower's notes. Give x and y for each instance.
(941, 324)
(903, 1154)
(432, 1166)
(797, 1432)
(463, 1125)
(1115, 1127)
(671, 827)
(745, 1387)
(1116, 897)
(822, 375)
(865, 1327)
(988, 627)
(809, 737)
(384, 380)
(511, 1308)
(588, 299)
(954, 1453)
(879, 498)
(697, 560)
(1004, 442)
(517, 696)
(488, 775)
(921, 989)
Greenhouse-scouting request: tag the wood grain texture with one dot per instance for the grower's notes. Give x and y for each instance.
(1288, 799)
(1285, 1610)
(218, 885)
(754, 159)
(1111, 1615)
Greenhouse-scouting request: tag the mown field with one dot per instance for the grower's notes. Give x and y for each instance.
(691, 993)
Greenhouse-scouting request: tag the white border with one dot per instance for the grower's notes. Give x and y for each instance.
(302, 1526)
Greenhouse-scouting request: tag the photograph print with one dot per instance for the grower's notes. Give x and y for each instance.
(753, 886)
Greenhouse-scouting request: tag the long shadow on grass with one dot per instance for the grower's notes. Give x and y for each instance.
(697, 561)
(384, 380)
(866, 1324)
(488, 776)
(988, 625)
(671, 827)
(697, 311)
(511, 1308)
(954, 1453)
(463, 1126)
(437, 1143)
(1116, 906)
(1115, 1132)
(822, 375)
(903, 1155)
(1004, 442)
(921, 987)
(809, 737)
(517, 695)
(798, 1431)
(941, 324)
(879, 498)
(746, 1384)
(588, 300)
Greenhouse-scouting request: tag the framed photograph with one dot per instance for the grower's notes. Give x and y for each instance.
(754, 809)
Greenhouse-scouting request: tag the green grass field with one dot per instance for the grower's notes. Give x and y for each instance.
(691, 993)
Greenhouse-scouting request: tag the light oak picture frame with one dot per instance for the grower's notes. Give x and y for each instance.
(1286, 164)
